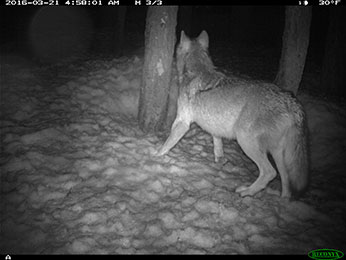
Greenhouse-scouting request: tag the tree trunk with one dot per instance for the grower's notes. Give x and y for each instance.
(159, 48)
(295, 42)
(333, 70)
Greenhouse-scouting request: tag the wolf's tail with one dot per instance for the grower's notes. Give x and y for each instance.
(296, 159)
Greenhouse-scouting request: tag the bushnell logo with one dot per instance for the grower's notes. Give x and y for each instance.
(325, 254)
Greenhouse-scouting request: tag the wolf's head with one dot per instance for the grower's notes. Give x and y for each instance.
(192, 56)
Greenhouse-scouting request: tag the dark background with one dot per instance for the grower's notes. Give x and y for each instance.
(251, 46)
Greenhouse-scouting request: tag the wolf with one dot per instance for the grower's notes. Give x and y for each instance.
(264, 119)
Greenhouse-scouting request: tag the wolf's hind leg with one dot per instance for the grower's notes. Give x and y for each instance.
(253, 147)
(278, 156)
(178, 130)
(218, 148)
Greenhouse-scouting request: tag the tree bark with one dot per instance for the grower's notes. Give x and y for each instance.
(295, 42)
(159, 48)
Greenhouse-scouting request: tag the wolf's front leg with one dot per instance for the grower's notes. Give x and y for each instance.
(218, 148)
(179, 128)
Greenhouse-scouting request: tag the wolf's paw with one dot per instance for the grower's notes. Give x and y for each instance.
(221, 160)
(244, 191)
(159, 152)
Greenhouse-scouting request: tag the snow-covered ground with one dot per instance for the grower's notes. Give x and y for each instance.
(78, 176)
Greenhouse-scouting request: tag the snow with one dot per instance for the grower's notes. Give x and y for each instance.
(78, 176)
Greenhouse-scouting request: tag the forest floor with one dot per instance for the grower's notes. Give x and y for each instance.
(78, 175)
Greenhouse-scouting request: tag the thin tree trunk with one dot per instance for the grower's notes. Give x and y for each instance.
(295, 42)
(159, 48)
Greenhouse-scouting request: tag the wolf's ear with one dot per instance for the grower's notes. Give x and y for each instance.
(185, 42)
(182, 35)
(203, 39)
